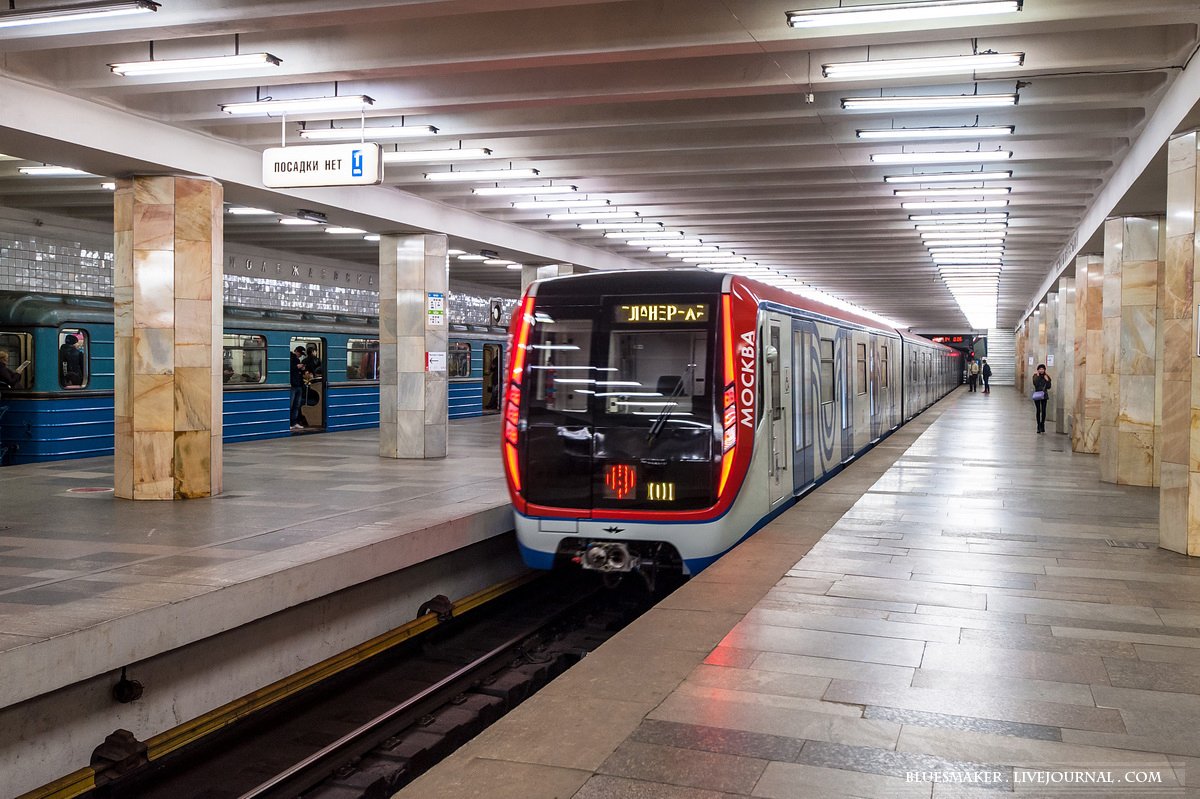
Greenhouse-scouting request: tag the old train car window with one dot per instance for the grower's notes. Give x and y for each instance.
(458, 359)
(861, 367)
(362, 359)
(244, 359)
(828, 384)
(884, 365)
(73, 357)
(19, 349)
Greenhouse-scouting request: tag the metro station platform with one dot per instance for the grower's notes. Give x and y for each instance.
(965, 610)
(90, 584)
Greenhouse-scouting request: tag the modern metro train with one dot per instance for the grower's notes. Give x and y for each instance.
(655, 420)
(51, 417)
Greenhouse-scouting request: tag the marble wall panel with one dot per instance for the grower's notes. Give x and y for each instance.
(1064, 398)
(153, 464)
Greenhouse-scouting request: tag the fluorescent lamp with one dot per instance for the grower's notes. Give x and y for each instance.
(371, 237)
(515, 266)
(456, 252)
(368, 134)
(344, 231)
(690, 253)
(959, 192)
(949, 235)
(914, 67)
(663, 245)
(930, 204)
(969, 242)
(955, 157)
(596, 214)
(238, 210)
(516, 191)
(292, 220)
(948, 177)
(659, 235)
(965, 270)
(713, 259)
(436, 156)
(486, 175)
(931, 102)
(957, 251)
(472, 257)
(620, 226)
(565, 202)
(948, 218)
(891, 134)
(899, 12)
(498, 261)
(174, 66)
(75, 13)
(301, 105)
(108, 186)
(681, 246)
(965, 227)
(51, 171)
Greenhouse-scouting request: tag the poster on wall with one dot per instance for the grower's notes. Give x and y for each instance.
(1050, 360)
(436, 309)
(435, 362)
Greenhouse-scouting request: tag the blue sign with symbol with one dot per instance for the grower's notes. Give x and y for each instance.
(356, 163)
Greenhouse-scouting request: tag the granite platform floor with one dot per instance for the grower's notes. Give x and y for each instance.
(967, 611)
(73, 558)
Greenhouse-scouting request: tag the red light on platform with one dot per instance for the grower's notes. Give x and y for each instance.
(620, 479)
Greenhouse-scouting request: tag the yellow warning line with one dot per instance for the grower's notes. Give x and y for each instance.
(84, 780)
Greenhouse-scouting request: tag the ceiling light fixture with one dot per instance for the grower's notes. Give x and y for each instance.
(899, 12)
(955, 157)
(948, 177)
(371, 237)
(659, 235)
(713, 259)
(630, 226)
(472, 257)
(75, 13)
(175, 66)
(239, 210)
(51, 171)
(292, 220)
(957, 192)
(965, 227)
(486, 175)
(665, 244)
(682, 246)
(931, 204)
(707, 253)
(977, 242)
(300, 105)
(891, 134)
(933, 102)
(368, 134)
(565, 202)
(344, 231)
(594, 214)
(941, 219)
(108, 186)
(510, 191)
(915, 67)
(436, 156)
(498, 262)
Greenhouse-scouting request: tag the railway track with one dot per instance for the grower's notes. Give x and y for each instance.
(373, 728)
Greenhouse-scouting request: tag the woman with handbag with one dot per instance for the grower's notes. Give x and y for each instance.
(1041, 394)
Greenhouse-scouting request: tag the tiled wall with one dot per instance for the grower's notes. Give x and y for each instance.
(82, 265)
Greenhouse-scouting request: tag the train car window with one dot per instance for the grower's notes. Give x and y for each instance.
(458, 359)
(362, 359)
(244, 359)
(18, 347)
(861, 367)
(650, 371)
(828, 384)
(883, 366)
(73, 357)
(563, 378)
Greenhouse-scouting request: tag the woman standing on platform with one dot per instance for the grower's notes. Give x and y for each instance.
(1041, 394)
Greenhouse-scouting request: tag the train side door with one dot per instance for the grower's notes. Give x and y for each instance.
(803, 404)
(491, 378)
(777, 395)
(314, 402)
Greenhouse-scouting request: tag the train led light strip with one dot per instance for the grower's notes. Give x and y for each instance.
(512, 408)
(729, 441)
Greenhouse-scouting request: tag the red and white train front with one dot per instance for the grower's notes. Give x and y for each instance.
(629, 420)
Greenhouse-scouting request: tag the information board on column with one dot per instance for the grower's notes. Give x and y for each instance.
(435, 362)
(436, 309)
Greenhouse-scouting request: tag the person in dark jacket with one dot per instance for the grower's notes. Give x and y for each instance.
(986, 373)
(70, 362)
(298, 387)
(1041, 388)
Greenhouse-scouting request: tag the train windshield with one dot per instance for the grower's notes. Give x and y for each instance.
(619, 409)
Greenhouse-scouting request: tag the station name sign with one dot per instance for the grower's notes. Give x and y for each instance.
(306, 166)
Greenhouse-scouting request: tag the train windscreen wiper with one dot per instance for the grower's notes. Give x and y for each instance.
(668, 407)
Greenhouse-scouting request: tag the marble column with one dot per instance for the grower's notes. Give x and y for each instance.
(1179, 495)
(531, 273)
(414, 277)
(1048, 350)
(1089, 295)
(1133, 266)
(167, 318)
(1021, 348)
(1064, 357)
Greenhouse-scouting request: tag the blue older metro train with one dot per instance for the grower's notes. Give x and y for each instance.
(654, 420)
(51, 417)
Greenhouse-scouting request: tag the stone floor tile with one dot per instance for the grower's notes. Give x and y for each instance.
(604, 786)
(908, 591)
(844, 646)
(891, 628)
(949, 721)
(830, 667)
(687, 767)
(755, 680)
(476, 778)
(1180, 677)
(717, 739)
(897, 764)
(798, 781)
(1000, 685)
(1015, 663)
(1039, 638)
